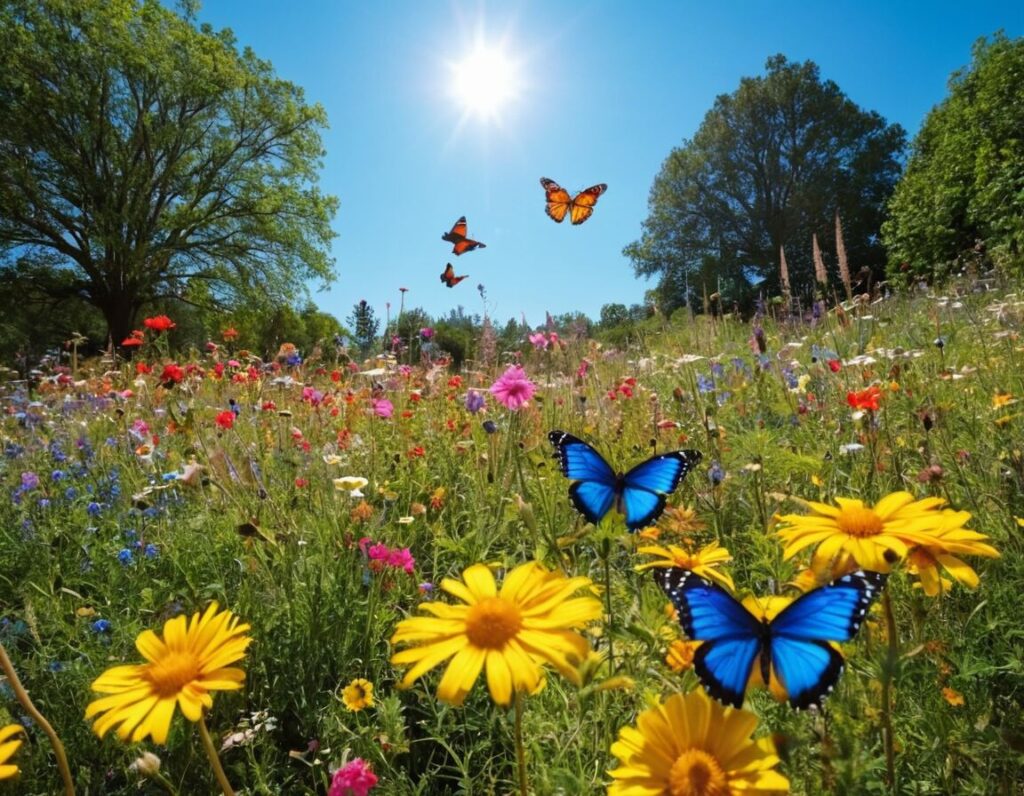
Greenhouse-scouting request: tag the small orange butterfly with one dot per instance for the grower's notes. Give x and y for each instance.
(449, 278)
(457, 236)
(579, 207)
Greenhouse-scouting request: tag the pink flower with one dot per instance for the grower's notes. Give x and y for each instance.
(539, 341)
(353, 779)
(382, 407)
(513, 389)
(402, 559)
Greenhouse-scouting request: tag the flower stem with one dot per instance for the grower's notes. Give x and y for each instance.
(888, 672)
(520, 751)
(26, 703)
(211, 752)
(610, 626)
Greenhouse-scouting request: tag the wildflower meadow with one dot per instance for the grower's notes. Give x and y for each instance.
(271, 576)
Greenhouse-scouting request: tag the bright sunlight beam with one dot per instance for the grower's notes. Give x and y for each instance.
(485, 81)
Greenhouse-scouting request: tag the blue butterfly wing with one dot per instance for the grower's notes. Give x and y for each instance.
(808, 670)
(592, 499)
(646, 486)
(806, 664)
(732, 637)
(596, 485)
(832, 613)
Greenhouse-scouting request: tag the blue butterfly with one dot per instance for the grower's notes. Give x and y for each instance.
(640, 494)
(795, 644)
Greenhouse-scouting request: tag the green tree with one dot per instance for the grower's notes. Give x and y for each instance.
(770, 164)
(964, 181)
(140, 155)
(364, 324)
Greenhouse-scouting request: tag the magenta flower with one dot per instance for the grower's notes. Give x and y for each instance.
(353, 779)
(538, 340)
(382, 407)
(513, 389)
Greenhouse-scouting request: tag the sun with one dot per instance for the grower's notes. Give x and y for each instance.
(485, 81)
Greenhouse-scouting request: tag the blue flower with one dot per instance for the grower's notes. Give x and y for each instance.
(57, 475)
(716, 474)
(704, 384)
(152, 551)
(101, 626)
(125, 556)
(93, 508)
(490, 426)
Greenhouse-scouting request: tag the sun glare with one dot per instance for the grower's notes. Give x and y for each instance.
(485, 81)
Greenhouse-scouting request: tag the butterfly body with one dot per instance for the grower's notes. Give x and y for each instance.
(796, 645)
(640, 494)
(559, 203)
(449, 277)
(457, 237)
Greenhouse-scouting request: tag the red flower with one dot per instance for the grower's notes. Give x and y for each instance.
(225, 419)
(171, 374)
(834, 365)
(142, 368)
(415, 453)
(131, 342)
(865, 399)
(230, 333)
(159, 323)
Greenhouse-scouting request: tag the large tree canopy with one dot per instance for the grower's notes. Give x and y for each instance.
(144, 159)
(770, 164)
(964, 181)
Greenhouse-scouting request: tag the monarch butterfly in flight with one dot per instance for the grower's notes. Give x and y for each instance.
(579, 207)
(449, 278)
(460, 243)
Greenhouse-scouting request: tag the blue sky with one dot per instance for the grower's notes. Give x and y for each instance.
(607, 89)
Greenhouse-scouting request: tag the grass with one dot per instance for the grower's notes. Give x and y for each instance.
(267, 535)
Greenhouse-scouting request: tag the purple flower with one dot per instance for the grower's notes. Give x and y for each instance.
(426, 333)
(29, 480)
(382, 407)
(474, 402)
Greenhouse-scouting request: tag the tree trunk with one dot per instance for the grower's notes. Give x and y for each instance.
(120, 313)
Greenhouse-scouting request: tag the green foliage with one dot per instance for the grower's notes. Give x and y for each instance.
(364, 324)
(960, 202)
(770, 164)
(140, 155)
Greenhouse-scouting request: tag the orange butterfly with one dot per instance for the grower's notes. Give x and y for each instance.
(580, 207)
(449, 278)
(457, 236)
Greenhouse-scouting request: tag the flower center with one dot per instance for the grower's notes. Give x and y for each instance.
(172, 673)
(492, 622)
(860, 522)
(696, 773)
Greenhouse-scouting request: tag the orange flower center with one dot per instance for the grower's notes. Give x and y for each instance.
(860, 521)
(492, 622)
(172, 673)
(696, 773)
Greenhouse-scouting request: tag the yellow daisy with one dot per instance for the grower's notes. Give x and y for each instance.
(680, 655)
(692, 746)
(189, 662)
(7, 750)
(875, 536)
(530, 621)
(947, 541)
(704, 562)
(358, 695)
